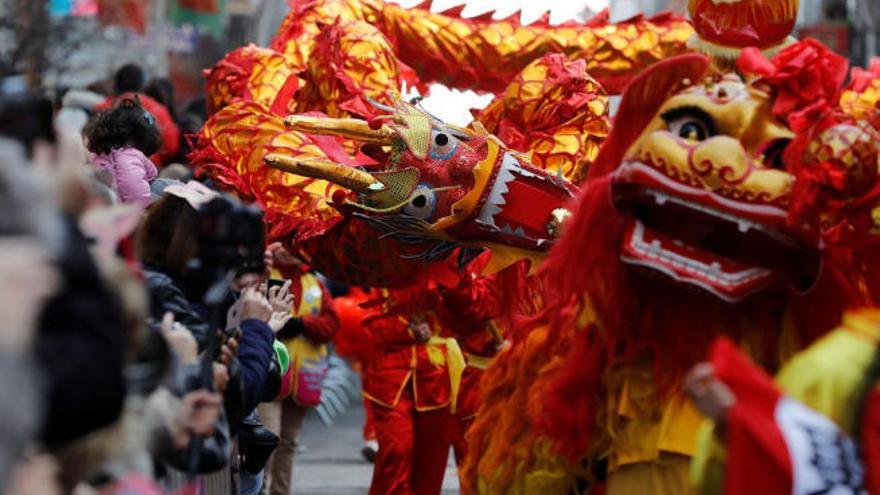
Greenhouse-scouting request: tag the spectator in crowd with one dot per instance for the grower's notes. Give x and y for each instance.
(161, 89)
(29, 235)
(129, 81)
(121, 138)
(109, 372)
(75, 109)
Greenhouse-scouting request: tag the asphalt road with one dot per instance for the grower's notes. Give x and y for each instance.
(332, 464)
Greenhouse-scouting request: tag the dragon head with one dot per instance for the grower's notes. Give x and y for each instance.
(436, 184)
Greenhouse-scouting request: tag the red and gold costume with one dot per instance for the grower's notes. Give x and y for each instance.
(795, 434)
(468, 311)
(644, 276)
(412, 384)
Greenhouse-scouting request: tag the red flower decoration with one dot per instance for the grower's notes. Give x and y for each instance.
(807, 77)
(861, 79)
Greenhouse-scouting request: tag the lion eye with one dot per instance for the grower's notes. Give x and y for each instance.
(690, 129)
(690, 123)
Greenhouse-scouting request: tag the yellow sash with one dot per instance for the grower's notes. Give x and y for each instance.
(303, 352)
(477, 361)
(455, 364)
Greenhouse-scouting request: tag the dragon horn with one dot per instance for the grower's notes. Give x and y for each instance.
(348, 128)
(380, 106)
(350, 178)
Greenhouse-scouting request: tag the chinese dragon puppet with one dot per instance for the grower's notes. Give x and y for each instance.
(735, 195)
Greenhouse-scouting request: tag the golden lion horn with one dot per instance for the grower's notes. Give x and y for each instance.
(348, 128)
(350, 178)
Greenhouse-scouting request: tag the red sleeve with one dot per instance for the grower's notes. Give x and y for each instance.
(387, 329)
(475, 298)
(323, 327)
(870, 438)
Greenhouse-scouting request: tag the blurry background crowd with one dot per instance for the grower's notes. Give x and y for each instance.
(140, 307)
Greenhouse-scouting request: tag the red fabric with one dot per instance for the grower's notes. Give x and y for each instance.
(469, 397)
(369, 432)
(807, 77)
(861, 79)
(400, 360)
(285, 95)
(413, 448)
(459, 439)
(169, 130)
(742, 23)
(470, 305)
(870, 441)
(351, 341)
(758, 462)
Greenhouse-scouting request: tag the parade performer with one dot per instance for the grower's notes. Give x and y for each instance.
(762, 428)
(436, 339)
(413, 385)
(468, 311)
(812, 431)
(314, 324)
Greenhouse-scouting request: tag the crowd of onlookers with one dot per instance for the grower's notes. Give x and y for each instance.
(136, 341)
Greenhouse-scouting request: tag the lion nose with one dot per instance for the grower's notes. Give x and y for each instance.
(720, 162)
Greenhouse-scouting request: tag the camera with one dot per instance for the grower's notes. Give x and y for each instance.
(231, 239)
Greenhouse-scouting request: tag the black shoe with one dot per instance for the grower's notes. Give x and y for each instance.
(371, 448)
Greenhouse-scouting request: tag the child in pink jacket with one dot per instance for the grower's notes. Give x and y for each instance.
(121, 138)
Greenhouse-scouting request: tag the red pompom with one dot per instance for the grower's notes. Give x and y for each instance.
(375, 123)
(339, 197)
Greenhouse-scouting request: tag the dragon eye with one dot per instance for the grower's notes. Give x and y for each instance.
(690, 123)
(421, 203)
(443, 145)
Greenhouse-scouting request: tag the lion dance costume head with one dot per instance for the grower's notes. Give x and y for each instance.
(733, 196)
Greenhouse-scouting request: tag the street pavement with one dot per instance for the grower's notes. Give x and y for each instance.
(331, 463)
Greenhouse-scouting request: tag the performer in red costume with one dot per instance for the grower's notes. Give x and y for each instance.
(413, 385)
(468, 311)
